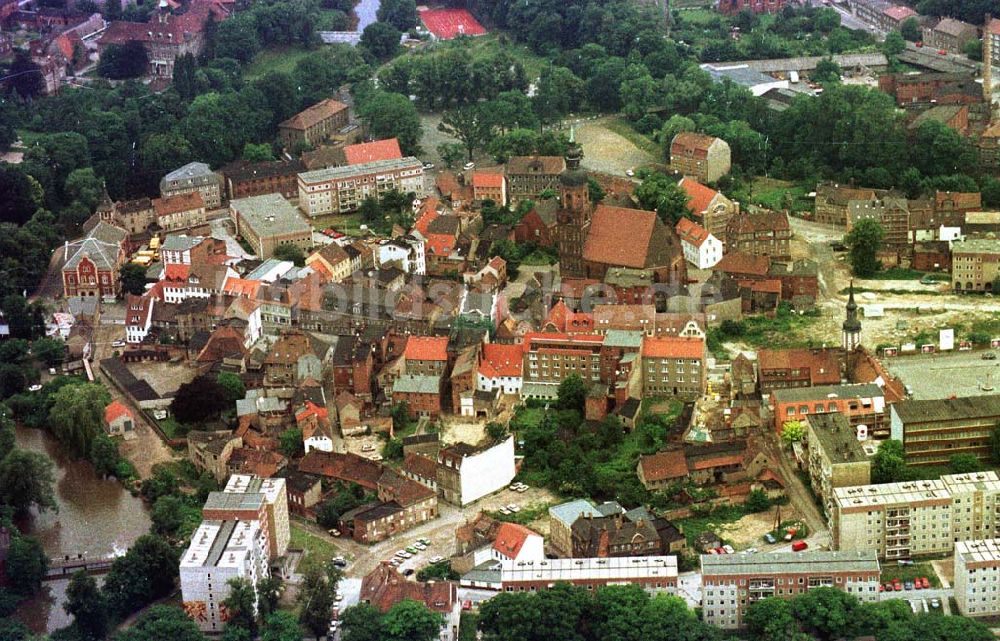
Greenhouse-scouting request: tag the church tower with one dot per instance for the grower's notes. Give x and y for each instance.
(574, 190)
(852, 326)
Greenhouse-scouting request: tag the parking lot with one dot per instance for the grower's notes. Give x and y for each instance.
(942, 375)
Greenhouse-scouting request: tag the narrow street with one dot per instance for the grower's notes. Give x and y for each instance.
(800, 496)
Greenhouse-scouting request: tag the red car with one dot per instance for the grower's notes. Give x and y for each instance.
(467, 604)
(798, 546)
(881, 587)
(926, 584)
(897, 585)
(942, 52)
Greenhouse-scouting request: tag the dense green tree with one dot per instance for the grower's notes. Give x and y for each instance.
(889, 463)
(827, 71)
(472, 125)
(77, 415)
(826, 613)
(20, 197)
(973, 50)
(315, 598)
(659, 192)
(638, 91)
(49, 351)
(290, 442)
(241, 603)
(186, 76)
(451, 153)
(164, 152)
(757, 501)
(411, 621)
(232, 386)
(26, 481)
(964, 463)
(401, 14)
(237, 38)
(146, 573)
(26, 565)
(133, 278)
(167, 515)
(362, 622)
(161, 483)
(162, 622)
(127, 60)
(258, 153)
(559, 91)
(13, 630)
(910, 29)
(380, 40)
(281, 626)
(200, 400)
(87, 606)
(893, 45)
(391, 115)
(104, 455)
(290, 252)
(771, 619)
(939, 150)
(864, 241)
(572, 393)
(268, 593)
(24, 76)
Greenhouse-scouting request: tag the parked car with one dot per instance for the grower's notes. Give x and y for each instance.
(908, 585)
(428, 165)
(35, 388)
(923, 581)
(437, 559)
(729, 549)
(469, 165)
(989, 356)
(917, 584)
(340, 561)
(798, 546)
(408, 572)
(935, 603)
(942, 52)
(367, 447)
(770, 538)
(118, 343)
(467, 604)
(904, 562)
(888, 587)
(919, 43)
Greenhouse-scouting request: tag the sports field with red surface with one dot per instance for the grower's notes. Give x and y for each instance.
(448, 23)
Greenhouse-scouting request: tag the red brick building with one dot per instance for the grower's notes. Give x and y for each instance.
(732, 7)
(92, 263)
(243, 179)
(782, 368)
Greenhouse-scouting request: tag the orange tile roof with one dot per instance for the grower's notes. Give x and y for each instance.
(427, 215)
(176, 271)
(563, 319)
(487, 179)
(426, 348)
(440, 244)
(673, 347)
(770, 286)
(607, 244)
(700, 195)
(823, 364)
(718, 461)
(691, 232)
(899, 12)
(419, 465)
(743, 263)
(500, 360)
(115, 410)
(372, 151)
(176, 204)
(664, 466)
(511, 538)
(241, 287)
(691, 143)
(312, 409)
(314, 114)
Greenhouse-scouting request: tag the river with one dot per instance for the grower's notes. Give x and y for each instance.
(96, 517)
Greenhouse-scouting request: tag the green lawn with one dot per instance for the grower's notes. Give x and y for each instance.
(275, 59)
(694, 526)
(527, 514)
(317, 550)
(786, 329)
(898, 273)
(699, 16)
(349, 224)
(892, 571)
(781, 194)
(533, 64)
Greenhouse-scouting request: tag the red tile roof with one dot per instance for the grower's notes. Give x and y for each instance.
(176, 204)
(372, 151)
(115, 410)
(426, 348)
(344, 467)
(500, 360)
(511, 538)
(449, 23)
(743, 263)
(241, 287)
(899, 12)
(176, 271)
(673, 347)
(664, 466)
(487, 179)
(606, 242)
(384, 587)
(440, 244)
(312, 409)
(421, 466)
(770, 286)
(690, 143)
(823, 364)
(700, 195)
(563, 319)
(691, 232)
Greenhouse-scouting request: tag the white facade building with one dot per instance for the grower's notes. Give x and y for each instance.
(276, 500)
(977, 577)
(220, 551)
(466, 474)
(701, 249)
(407, 251)
(342, 189)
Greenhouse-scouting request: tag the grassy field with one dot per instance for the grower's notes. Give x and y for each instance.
(275, 59)
(700, 15)
(349, 224)
(491, 43)
(892, 571)
(316, 550)
(526, 515)
(694, 526)
(779, 194)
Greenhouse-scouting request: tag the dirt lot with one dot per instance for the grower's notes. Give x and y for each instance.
(164, 377)
(608, 152)
(750, 530)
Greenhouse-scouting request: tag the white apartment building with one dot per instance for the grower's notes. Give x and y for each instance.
(467, 473)
(220, 551)
(977, 577)
(342, 189)
(276, 502)
(407, 251)
(732, 582)
(915, 518)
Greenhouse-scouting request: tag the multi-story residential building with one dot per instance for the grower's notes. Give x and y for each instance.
(529, 176)
(704, 158)
(500, 367)
(221, 551)
(836, 455)
(551, 357)
(165, 36)
(673, 366)
(615, 536)
(269, 221)
(975, 264)
(862, 404)
(915, 518)
(335, 262)
(732, 7)
(244, 179)
(406, 251)
(337, 190)
(761, 233)
(403, 504)
(314, 124)
(701, 248)
(420, 392)
(561, 520)
(652, 573)
(180, 211)
(977, 577)
(138, 317)
(784, 368)
(194, 176)
(488, 185)
(467, 473)
(275, 504)
(426, 355)
(134, 216)
(932, 431)
(710, 208)
(731, 583)
(92, 263)
(950, 34)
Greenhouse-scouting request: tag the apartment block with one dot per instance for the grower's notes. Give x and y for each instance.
(275, 504)
(652, 573)
(916, 518)
(338, 190)
(862, 404)
(733, 582)
(975, 264)
(673, 366)
(836, 455)
(704, 158)
(314, 124)
(977, 577)
(220, 551)
(194, 176)
(932, 431)
(268, 221)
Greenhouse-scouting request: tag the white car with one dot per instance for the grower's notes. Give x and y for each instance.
(629, 173)
(428, 165)
(437, 559)
(118, 343)
(504, 511)
(35, 388)
(469, 165)
(367, 447)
